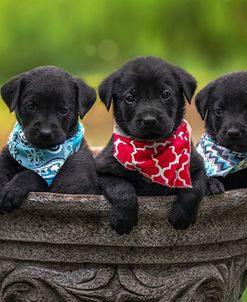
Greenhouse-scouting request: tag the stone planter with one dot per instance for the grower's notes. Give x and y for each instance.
(60, 248)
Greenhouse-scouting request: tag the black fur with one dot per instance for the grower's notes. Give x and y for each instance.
(46, 101)
(223, 106)
(158, 90)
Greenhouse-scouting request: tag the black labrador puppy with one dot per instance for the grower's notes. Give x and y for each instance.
(223, 104)
(46, 150)
(148, 96)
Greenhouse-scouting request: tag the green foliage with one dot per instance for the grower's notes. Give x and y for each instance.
(98, 35)
(244, 298)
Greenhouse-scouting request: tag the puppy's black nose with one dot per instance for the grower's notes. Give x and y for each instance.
(45, 133)
(233, 132)
(149, 121)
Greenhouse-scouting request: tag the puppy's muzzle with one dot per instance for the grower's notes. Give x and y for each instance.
(45, 133)
(233, 132)
(149, 121)
(234, 138)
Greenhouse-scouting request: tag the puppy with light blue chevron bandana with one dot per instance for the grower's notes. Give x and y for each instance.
(223, 106)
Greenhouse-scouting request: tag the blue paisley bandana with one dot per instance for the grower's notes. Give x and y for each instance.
(218, 160)
(45, 162)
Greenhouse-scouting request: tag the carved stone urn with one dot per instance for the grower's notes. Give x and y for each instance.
(61, 248)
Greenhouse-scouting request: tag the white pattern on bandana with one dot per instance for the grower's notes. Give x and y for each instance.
(166, 161)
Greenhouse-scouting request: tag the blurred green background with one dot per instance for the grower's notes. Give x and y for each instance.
(92, 38)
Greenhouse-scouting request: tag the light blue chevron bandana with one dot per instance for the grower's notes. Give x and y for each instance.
(218, 160)
(45, 162)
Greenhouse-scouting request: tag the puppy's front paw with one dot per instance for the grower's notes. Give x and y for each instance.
(123, 221)
(181, 218)
(11, 198)
(214, 187)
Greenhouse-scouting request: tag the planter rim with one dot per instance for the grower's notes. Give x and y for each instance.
(217, 205)
(75, 229)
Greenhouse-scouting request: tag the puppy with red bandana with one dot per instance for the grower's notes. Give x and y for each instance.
(150, 151)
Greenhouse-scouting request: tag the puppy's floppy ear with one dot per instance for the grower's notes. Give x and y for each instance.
(202, 99)
(86, 96)
(11, 91)
(189, 83)
(106, 89)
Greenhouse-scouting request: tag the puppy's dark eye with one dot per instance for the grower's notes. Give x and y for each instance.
(218, 111)
(129, 99)
(64, 111)
(31, 107)
(166, 94)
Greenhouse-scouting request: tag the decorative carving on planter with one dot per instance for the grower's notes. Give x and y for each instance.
(205, 282)
(80, 259)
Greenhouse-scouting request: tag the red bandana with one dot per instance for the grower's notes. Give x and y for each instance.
(166, 162)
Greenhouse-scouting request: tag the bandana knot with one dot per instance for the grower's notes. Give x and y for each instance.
(218, 160)
(45, 162)
(166, 161)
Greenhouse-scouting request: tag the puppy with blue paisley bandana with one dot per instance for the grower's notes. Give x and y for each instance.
(223, 106)
(46, 150)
